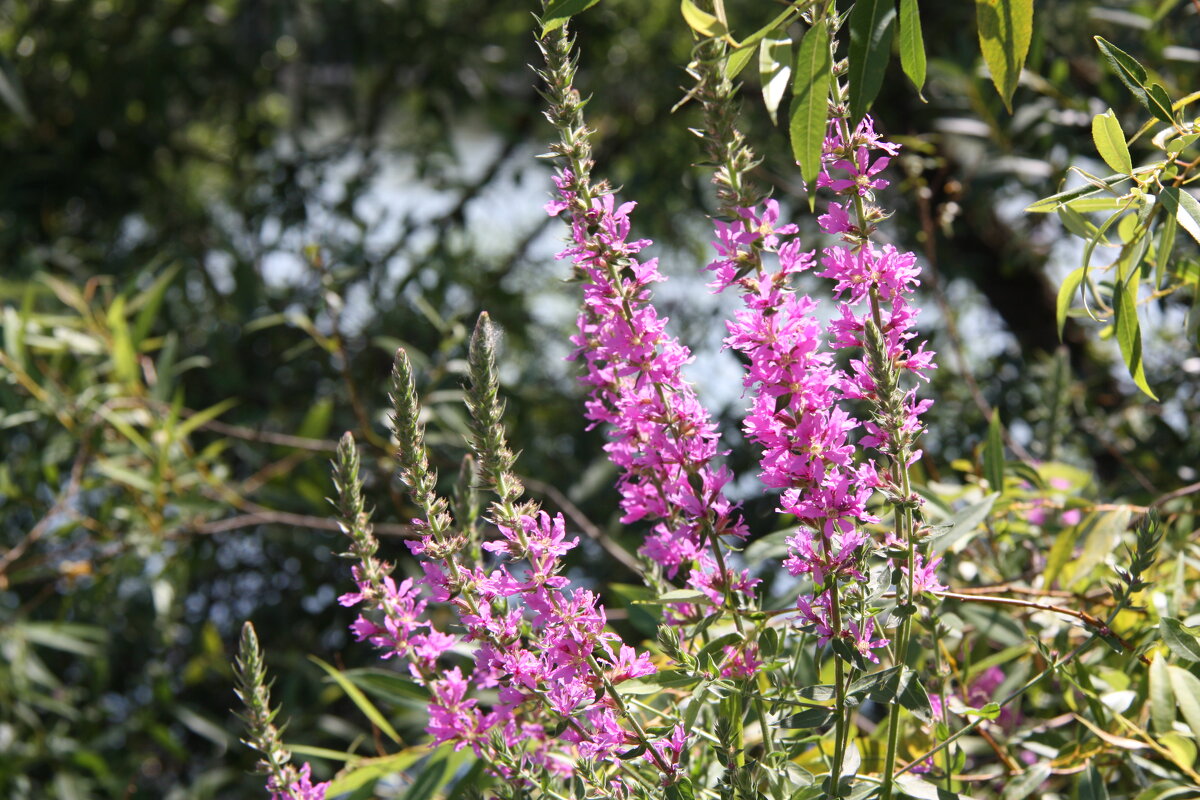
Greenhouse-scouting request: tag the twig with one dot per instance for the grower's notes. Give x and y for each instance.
(267, 516)
(1095, 623)
(61, 506)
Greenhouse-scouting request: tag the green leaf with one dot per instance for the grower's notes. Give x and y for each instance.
(1129, 333)
(82, 640)
(1065, 292)
(744, 52)
(195, 421)
(1091, 785)
(682, 596)
(993, 454)
(1133, 75)
(1110, 142)
(1005, 30)
(1184, 208)
(702, 22)
(738, 60)
(1183, 640)
(559, 11)
(1051, 203)
(1060, 552)
(1165, 245)
(1025, 784)
(1104, 532)
(390, 686)
(363, 771)
(1162, 698)
(773, 545)
(355, 694)
(964, 522)
(774, 70)
(1186, 687)
(120, 474)
(895, 684)
(123, 354)
(871, 28)
(1160, 103)
(912, 43)
(148, 303)
(436, 773)
(810, 99)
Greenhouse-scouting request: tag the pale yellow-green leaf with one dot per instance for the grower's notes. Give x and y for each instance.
(1186, 688)
(1005, 30)
(1110, 142)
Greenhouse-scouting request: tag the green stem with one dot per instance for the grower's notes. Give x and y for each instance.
(839, 679)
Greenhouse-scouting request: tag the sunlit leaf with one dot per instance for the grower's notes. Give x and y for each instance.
(1129, 333)
(1186, 687)
(1162, 697)
(912, 43)
(993, 454)
(355, 694)
(810, 100)
(1183, 640)
(1110, 142)
(559, 11)
(1005, 30)
(774, 70)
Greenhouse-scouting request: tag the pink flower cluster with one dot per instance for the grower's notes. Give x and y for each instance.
(661, 437)
(536, 641)
(811, 444)
(300, 789)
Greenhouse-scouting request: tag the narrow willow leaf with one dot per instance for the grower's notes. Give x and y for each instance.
(993, 454)
(1133, 75)
(774, 70)
(1091, 785)
(200, 418)
(810, 99)
(1160, 103)
(1110, 142)
(1065, 292)
(1186, 210)
(1090, 247)
(559, 11)
(355, 694)
(1005, 30)
(1061, 552)
(1183, 640)
(740, 58)
(912, 43)
(365, 770)
(1027, 782)
(961, 524)
(871, 26)
(702, 22)
(682, 596)
(1077, 223)
(1165, 245)
(1186, 687)
(1162, 698)
(1051, 203)
(1129, 333)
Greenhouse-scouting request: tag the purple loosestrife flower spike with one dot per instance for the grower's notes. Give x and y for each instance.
(660, 436)
(488, 439)
(284, 781)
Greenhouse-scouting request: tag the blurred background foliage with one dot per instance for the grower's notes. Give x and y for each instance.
(218, 218)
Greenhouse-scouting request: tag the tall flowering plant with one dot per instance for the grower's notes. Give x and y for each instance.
(743, 694)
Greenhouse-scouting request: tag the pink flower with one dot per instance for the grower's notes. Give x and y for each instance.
(301, 789)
